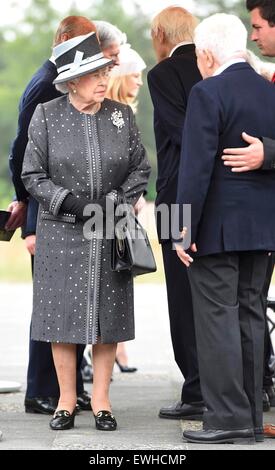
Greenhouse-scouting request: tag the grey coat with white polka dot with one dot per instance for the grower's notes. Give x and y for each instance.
(77, 297)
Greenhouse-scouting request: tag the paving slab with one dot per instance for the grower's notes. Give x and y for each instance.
(136, 397)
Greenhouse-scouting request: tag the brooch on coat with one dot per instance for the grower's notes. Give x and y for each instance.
(117, 120)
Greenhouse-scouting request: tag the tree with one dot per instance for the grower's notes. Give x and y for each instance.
(29, 46)
(25, 46)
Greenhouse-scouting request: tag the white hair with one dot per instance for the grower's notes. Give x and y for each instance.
(63, 87)
(223, 35)
(108, 33)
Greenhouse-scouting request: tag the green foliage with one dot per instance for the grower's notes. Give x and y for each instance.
(236, 7)
(26, 46)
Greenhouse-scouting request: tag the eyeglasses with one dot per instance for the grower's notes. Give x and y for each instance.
(101, 74)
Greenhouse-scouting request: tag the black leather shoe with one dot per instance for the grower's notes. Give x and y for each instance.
(62, 420)
(87, 374)
(266, 402)
(125, 368)
(219, 436)
(84, 401)
(189, 411)
(105, 421)
(43, 405)
(271, 395)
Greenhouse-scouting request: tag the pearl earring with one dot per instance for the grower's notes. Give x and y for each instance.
(74, 90)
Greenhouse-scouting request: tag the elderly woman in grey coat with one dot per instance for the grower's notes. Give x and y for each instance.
(82, 148)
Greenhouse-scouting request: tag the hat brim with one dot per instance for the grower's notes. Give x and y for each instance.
(82, 70)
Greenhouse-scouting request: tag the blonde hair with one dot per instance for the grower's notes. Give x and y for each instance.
(177, 24)
(117, 91)
(265, 69)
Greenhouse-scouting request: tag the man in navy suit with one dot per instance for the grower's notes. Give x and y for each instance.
(260, 154)
(170, 82)
(42, 386)
(232, 231)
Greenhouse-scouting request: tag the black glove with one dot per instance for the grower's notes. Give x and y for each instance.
(75, 205)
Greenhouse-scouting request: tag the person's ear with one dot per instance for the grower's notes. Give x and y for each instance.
(158, 35)
(71, 85)
(209, 59)
(161, 36)
(64, 37)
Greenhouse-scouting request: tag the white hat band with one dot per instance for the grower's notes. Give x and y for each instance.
(78, 62)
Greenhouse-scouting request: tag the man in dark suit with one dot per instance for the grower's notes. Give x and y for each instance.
(260, 154)
(232, 231)
(170, 82)
(42, 386)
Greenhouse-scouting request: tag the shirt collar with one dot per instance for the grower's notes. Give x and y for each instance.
(52, 59)
(184, 43)
(227, 64)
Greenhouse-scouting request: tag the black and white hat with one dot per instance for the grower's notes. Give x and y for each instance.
(78, 56)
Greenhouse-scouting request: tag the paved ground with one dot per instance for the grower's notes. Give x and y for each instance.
(136, 397)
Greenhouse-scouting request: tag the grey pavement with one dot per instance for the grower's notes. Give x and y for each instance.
(136, 398)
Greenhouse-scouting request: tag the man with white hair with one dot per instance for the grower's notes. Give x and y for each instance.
(232, 231)
(170, 82)
(259, 154)
(110, 38)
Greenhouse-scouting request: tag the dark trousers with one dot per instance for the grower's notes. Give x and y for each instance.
(41, 377)
(230, 326)
(268, 349)
(182, 323)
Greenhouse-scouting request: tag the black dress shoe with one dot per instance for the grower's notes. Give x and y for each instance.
(219, 436)
(258, 432)
(87, 374)
(43, 405)
(105, 421)
(125, 368)
(62, 420)
(189, 411)
(84, 401)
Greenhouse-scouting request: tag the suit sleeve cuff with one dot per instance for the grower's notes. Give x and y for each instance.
(269, 154)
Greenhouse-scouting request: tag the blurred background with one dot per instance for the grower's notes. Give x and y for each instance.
(26, 32)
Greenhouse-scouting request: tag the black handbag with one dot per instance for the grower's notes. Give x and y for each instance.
(5, 235)
(131, 249)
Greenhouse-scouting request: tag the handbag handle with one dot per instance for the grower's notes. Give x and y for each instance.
(121, 198)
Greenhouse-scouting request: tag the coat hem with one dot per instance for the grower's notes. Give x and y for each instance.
(70, 341)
